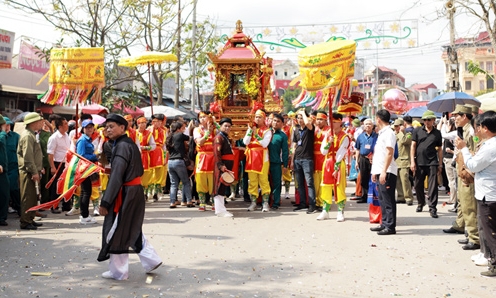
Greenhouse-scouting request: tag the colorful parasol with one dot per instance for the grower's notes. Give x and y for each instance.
(325, 70)
(76, 76)
(148, 58)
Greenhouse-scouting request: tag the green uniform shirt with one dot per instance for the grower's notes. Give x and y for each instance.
(404, 140)
(278, 148)
(4, 161)
(44, 136)
(29, 153)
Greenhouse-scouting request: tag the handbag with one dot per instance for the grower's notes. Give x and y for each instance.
(375, 213)
(353, 172)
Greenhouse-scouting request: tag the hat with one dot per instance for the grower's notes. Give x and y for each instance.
(141, 120)
(224, 120)
(398, 122)
(462, 109)
(119, 119)
(2, 120)
(7, 120)
(356, 122)
(32, 117)
(86, 123)
(157, 116)
(428, 115)
(474, 108)
(128, 117)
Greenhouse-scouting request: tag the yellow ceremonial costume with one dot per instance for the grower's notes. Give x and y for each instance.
(204, 164)
(157, 157)
(318, 159)
(329, 182)
(257, 163)
(144, 139)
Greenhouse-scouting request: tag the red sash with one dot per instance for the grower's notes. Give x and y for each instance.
(254, 158)
(118, 200)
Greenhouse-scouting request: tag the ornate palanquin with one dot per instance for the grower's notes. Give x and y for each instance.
(242, 81)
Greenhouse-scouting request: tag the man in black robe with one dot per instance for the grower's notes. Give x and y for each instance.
(224, 162)
(123, 206)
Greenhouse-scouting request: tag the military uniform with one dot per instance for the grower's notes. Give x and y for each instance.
(403, 185)
(30, 158)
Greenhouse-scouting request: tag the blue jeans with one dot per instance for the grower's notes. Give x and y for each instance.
(179, 173)
(304, 169)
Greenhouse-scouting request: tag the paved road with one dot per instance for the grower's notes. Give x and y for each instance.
(255, 254)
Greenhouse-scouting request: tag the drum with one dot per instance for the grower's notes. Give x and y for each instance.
(227, 178)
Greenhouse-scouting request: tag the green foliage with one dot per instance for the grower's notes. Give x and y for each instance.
(483, 92)
(289, 95)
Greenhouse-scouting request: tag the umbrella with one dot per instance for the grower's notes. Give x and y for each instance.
(419, 111)
(148, 58)
(447, 102)
(167, 111)
(136, 112)
(94, 109)
(488, 101)
(97, 119)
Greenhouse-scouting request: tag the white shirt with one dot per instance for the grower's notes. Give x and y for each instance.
(483, 164)
(58, 145)
(386, 139)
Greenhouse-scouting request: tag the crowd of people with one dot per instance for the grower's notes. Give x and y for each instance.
(402, 161)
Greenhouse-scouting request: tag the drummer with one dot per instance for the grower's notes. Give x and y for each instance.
(224, 162)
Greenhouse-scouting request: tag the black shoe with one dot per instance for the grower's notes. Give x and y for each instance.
(386, 231)
(300, 208)
(319, 208)
(400, 202)
(409, 203)
(378, 228)
(353, 194)
(361, 201)
(471, 246)
(56, 211)
(451, 230)
(29, 227)
(3, 223)
(463, 241)
(311, 209)
(37, 224)
(420, 208)
(155, 197)
(433, 214)
(454, 210)
(274, 208)
(294, 203)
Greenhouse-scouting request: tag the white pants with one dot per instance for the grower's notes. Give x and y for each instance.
(219, 204)
(119, 263)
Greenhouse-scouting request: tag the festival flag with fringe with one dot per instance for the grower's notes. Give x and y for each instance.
(77, 170)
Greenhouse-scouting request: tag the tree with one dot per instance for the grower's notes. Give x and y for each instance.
(289, 95)
(485, 11)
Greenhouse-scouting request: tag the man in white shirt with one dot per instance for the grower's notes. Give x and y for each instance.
(483, 164)
(57, 147)
(383, 172)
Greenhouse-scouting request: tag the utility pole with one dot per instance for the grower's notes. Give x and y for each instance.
(454, 84)
(193, 63)
(178, 47)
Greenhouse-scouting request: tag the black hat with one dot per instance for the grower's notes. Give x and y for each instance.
(223, 120)
(117, 119)
(159, 116)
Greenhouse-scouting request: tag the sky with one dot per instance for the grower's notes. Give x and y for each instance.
(421, 64)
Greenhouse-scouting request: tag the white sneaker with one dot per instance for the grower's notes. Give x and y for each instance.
(482, 261)
(340, 216)
(323, 215)
(73, 211)
(108, 275)
(87, 220)
(477, 256)
(232, 197)
(12, 210)
(224, 214)
(265, 207)
(252, 207)
(96, 212)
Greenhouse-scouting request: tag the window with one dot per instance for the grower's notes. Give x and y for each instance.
(481, 65)
(276, 73)
(490, 83)
(482, 84)
(466, 66)
(285, 73)
(468, 85)
(489, 66)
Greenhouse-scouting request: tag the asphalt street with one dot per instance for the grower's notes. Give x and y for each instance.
(276, 254)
